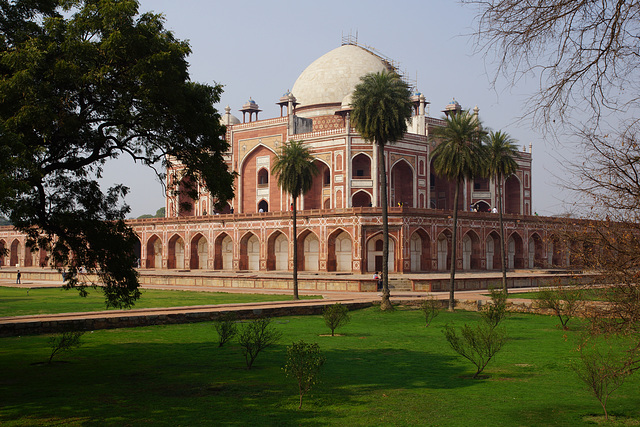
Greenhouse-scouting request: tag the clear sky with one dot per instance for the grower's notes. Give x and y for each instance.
(257, 49)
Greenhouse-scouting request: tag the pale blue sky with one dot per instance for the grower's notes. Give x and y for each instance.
(257, 49)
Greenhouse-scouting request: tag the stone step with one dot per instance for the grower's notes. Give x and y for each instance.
(400, 284)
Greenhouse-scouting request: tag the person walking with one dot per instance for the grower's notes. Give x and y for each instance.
(18, 277)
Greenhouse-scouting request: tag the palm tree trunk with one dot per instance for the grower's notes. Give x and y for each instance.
(295, 250)
(503, 253)
(385, 303)
(454, 246)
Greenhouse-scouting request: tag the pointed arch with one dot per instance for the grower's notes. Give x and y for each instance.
(154, 252)
(535, 252)
(493, 251)
(515, 251)
(176, 253)
(249, 252)
(443, 244)
(512, 195)
(339, 251)
(249, 193)
(471, 251)
(199, 252)
(420, 250)
(361, 166)
(374, 247)
(402, 186)
(361, 199)
(277, 251)
(314, 198)
(309, 248)
(223, 252)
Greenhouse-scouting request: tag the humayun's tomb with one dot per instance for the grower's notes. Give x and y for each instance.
(339, 226)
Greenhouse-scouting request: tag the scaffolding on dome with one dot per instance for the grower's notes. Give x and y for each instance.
(350, 39)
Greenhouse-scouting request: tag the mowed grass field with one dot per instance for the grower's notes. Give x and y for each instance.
(384, 369)
(21, 301)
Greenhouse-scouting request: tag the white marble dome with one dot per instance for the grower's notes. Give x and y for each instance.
(227, 118)
(329, 79)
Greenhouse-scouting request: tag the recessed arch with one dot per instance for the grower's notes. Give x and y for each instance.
(263, 206)
(536, 255)
(339, 251)
(361, 199)
(277, 251)
(314, 198)
(515, 252)
(361, 166)
(512, 195)
(223, 252)
(375, 253)
(471, 251)
(493, 251)
(154, 252)
(249, 252)
(176, 252)
(402, 185)
(309, 248)
(443, 245)
(199, 252)
(420, 250)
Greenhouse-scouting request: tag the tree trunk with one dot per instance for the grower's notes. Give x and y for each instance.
(295, 250)
(385, 303)
(502, 248)
(454, 245)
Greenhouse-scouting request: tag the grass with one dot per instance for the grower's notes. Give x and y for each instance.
(384, 369)
(585, 295)
(21, 301)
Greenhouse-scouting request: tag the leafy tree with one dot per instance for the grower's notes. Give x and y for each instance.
(255, 336)
(303, 363)
(226, 328)
(500, 157)
(82, 82)
(564, 301)
(458, 156)
(161, 213)
(336, 315)
(430, 307)
(381, 107)
(295, 170)
(65, 341)
(494, 313)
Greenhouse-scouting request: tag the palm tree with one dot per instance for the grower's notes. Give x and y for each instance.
(500, 162)
(381, 105)
(456, 158)
(295, 170)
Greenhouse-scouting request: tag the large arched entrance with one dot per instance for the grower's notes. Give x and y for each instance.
(420, 250)
(176, 253)
(375, 251)
(470, 251)
(223, 252)
(314, 198)
(401, 184)
(309, 247)
(515, 254)
(250, 252)
(493, 252)
(199, 252)
(339, 253)
(444, 250)
(154, 252)
(278, 252)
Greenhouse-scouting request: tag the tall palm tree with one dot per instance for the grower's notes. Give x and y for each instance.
(295, 170)
(500, 162)
(381, 105)
(456, 158)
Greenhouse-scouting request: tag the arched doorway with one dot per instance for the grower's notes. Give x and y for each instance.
(536, 257)
(313, 199)
(154, 252)
(361, 166)
(515, 252)
(470, 251)
(493, 252)
(444, 250)
(14, 257)
(226, 253)
(250, 252)
(199, 252)
(176, 253)
(375, 252)
(402, 184)
(512, 195)
(310, 246)
(278, 252)
(339, 254)
(361, 199)
(419, 248)
(186, 206)
(263, 206)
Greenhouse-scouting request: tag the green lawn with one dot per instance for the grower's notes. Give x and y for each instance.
(20, 301)
(386, 369)
(585, 295)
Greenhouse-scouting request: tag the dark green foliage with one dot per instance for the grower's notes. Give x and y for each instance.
(336, 315)
(430, 307)
(495, 312)
(563, 300)
(65, 341)
(477, 343)
(226, 328)
(255, 336)
(82, 82)
(303, 363)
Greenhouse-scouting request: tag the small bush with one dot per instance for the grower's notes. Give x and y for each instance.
(303, 363)
(255, 336)
(430, 307)
(336, 315)
(478, 344)
(495, 312)
(226, 328)
(65, 341)
(564, 301)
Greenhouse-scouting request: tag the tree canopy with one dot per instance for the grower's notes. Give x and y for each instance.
(82, 82)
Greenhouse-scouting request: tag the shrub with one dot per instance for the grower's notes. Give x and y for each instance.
(430, 307)
(255, 336)
(564, 301)
(226, 328)
(495, 312)
(336, 315)
(303, 363)
(65, 341)
(478, 344)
